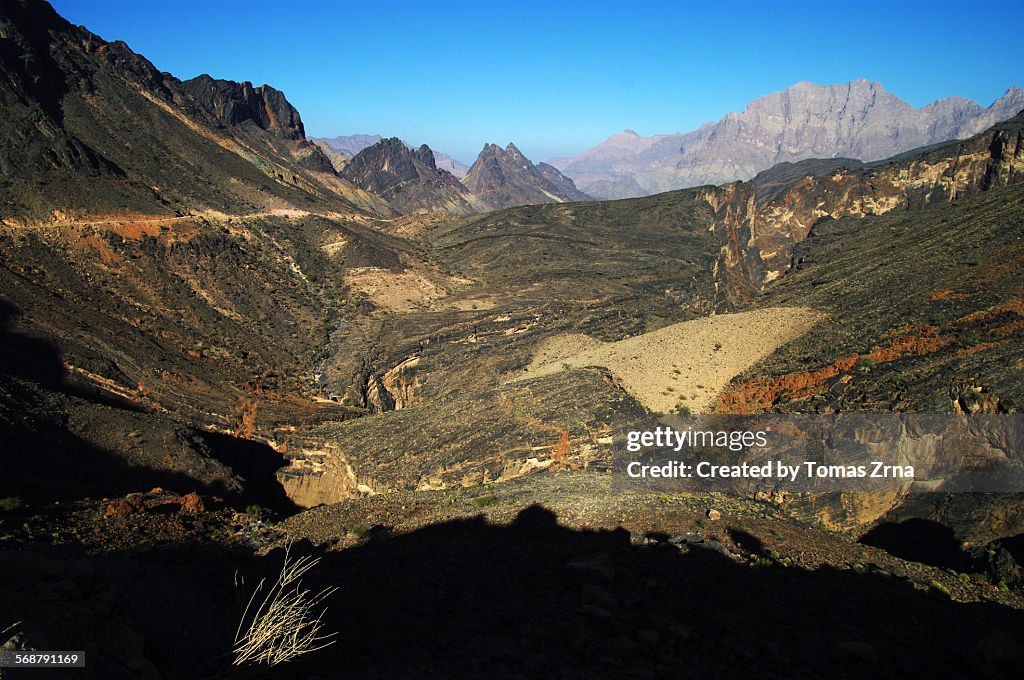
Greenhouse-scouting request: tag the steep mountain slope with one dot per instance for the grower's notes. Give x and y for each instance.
(411, 182)
(859, 120)
(761, 223)
(214, 145)
(408, 179)
(174, 255)
(168, 346)
(338, 159)
(925, 313)
(505, 177)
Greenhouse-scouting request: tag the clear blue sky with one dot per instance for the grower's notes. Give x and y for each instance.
(559, 77)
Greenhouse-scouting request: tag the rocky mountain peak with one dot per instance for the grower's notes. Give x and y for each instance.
(505, 177)
(514, 151)
(426, 155)
(1012, 102)
(407, 178)
(234, 104)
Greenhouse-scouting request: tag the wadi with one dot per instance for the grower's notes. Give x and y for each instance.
(346, 406)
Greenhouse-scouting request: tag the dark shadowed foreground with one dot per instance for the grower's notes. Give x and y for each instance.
(529, 599)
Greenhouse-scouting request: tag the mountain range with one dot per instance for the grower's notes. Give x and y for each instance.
(221, 346)
(350, 145)
(859, 119)
(411, 181)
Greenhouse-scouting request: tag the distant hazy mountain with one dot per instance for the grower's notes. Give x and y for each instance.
(446, 162)
(505, 177)
(350, 145)
(858, 120)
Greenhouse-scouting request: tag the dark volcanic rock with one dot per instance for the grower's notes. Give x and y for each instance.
(408, 179)
(504, 178)
(235, 103)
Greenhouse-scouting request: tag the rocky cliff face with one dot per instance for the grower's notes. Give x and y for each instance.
(859, 120)
(408, 179)
(411, 181)
(502, 178)
(759, 223)
(236, 103)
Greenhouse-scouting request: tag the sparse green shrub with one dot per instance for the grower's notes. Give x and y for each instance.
(481, 502)
(865, 363)
(939, 588)
(256, 511)
(359, 531)
(970, 338)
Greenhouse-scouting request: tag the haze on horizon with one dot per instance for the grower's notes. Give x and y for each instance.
(559, 78)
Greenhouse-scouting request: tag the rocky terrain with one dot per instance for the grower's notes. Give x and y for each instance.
(859, 119)
(350, 145)
(408, 179)
(412, 183)
(506, 581)
(503, 178)
(213, 345)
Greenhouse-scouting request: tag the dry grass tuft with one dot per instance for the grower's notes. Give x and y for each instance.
(288, 621)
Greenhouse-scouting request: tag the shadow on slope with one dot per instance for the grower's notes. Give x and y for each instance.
(534, 599)
(62, 441)
(919, 540)
(467, 599)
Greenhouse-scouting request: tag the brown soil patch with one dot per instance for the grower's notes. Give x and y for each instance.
(686, 363)
(948, 294)
(759, 395)
(403, 291)
(968, 351)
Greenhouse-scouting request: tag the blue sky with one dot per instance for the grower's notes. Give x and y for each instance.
(559, 77)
